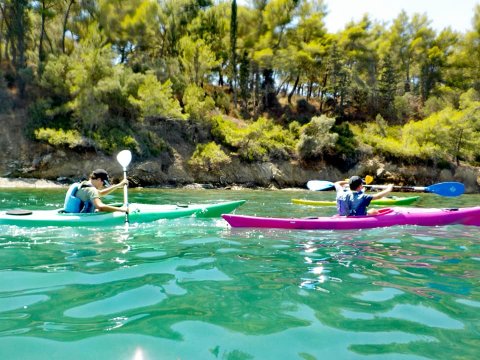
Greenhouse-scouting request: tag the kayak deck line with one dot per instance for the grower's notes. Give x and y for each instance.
(388, 217)
(139, 213)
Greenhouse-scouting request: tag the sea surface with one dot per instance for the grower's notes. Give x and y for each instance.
(198, 289)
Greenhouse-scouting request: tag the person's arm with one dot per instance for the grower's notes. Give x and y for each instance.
(383, 192)
(108, 190)
(339, 185)
(100, 206)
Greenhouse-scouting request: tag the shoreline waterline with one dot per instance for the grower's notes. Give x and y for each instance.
(29, 183)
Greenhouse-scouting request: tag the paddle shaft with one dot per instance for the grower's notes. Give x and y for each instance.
(319, 185)
(443, 189)
(409, 188)
(125, 196)
(124, 157)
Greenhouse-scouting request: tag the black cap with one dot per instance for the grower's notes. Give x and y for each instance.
(101, 174)
(355, 182)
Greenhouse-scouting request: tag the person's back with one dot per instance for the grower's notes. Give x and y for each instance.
(357, 202)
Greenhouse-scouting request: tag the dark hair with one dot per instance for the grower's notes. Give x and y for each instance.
(355, 182)
(102, 175)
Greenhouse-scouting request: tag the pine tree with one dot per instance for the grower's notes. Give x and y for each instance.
(233, 46)
(387, 86)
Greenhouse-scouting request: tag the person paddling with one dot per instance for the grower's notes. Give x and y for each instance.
(84, 197)
(354, 202)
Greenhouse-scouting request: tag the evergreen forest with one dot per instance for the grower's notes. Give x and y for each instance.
(265, 80)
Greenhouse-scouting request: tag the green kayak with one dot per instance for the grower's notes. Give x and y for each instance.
(388, 201)
(139, 213)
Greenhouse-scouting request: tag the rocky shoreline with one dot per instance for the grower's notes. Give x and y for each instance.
(46, 184)
(44, 167)
(286, 175)
(470, 181)
(28, 183)
(28, 164)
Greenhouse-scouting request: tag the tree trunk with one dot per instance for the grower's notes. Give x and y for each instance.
(233, 46)
(293, 90)
(407, 78)
(41, 54)
(457, 148)
(323, 87)
(309, 90)
(65, 21)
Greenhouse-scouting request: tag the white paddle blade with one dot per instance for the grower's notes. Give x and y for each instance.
(318, 185)
(124, 157)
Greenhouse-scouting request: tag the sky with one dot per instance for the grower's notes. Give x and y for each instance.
(457, 14)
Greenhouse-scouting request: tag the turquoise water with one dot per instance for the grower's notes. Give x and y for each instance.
(197, 289)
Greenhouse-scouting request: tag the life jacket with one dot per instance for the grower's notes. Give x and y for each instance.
(343, 206)
(72, 203)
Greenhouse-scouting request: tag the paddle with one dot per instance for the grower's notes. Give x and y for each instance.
(124, 157)
(444, 189)
(319, 185)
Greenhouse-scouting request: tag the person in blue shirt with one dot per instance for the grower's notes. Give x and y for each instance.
(354, 202)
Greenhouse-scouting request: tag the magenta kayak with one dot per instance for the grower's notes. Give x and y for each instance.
(387, 217)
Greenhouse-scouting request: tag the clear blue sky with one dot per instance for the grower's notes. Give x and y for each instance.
(457, 14)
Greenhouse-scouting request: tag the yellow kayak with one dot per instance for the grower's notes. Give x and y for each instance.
(388, 201)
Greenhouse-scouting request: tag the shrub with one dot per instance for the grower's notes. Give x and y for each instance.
(222, 101)
(316, 138)
(393, 145)
(60, 137)
(115, 139)
(42, 113)
(156, 99)
(445, 136)
(208, 158)
(295, 129)
(151, 143)
(196, 103)
(258, 141)
(433, 105)
(407, 107)
(346, 144)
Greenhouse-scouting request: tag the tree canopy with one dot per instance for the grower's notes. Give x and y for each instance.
(90, 65)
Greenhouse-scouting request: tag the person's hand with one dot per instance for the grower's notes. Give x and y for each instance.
(390, 187)
(124, 209)
(123, 182)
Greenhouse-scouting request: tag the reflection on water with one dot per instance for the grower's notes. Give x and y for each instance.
(191, 288)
